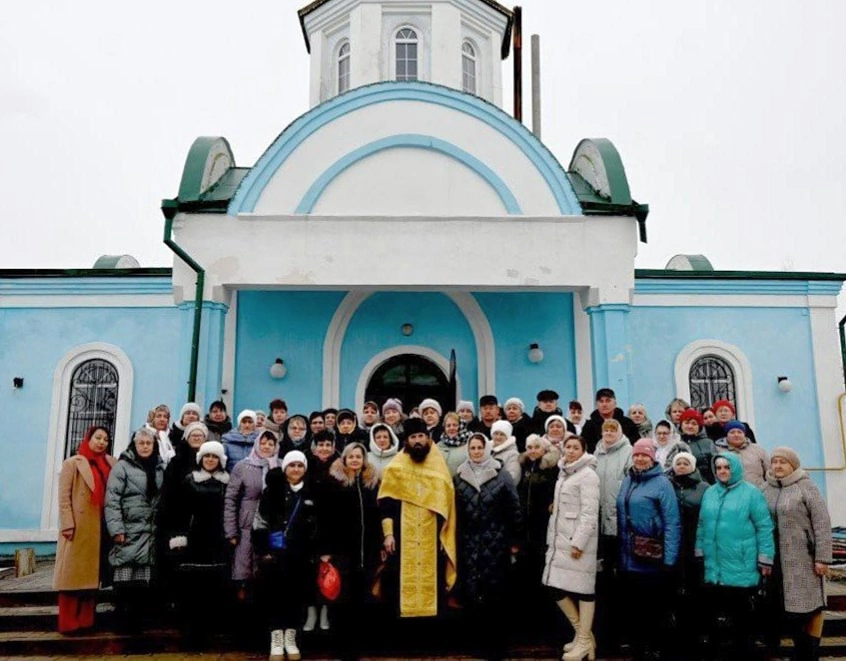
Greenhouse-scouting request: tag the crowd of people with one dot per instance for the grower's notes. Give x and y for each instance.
(684, 539)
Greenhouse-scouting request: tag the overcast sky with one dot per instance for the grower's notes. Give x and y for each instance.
(729, 117)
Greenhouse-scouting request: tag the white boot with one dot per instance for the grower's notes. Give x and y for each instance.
(291, 648)
(324, 618)
(277, 645)
(585, 647)
(571, 612)
(311, 619)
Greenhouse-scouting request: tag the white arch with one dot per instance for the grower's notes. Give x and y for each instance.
(401, 349)
(734, 357)
(334, 340)
(59, 416)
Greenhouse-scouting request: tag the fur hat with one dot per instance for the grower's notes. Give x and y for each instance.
(212, 447)
(390, 404)
(190, 406)
(502, 426)
(414, 426)
(788, 454)
(195, 426)
(544, 443)
(291, 457)
(692, 414)
(685, 455)
(554, 417)
(430, 403)
(515, 401)
(645, 446)
(246, 413)
(734, 424)
(465, 405)
(724, 402)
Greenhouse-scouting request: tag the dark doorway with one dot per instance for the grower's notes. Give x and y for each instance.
(409, 377)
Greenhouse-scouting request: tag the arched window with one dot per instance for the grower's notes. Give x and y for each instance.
(711, 378)
(468, 67)
(406, 54)
(92, 401)
(344, 67)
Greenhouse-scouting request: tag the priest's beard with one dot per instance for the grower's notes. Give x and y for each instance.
(418, 453)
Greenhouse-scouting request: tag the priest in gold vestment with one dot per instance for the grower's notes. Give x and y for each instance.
(417, 504)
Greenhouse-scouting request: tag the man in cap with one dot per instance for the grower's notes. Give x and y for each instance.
(489, 413)
(548, 405)
(606, 409)
(417, 505)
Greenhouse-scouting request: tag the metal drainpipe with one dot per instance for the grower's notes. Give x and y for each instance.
(169, 209)
(842, 326)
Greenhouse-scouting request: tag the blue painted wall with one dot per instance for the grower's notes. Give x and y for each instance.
(287, 325)
(517, 320)
(777, 341)
(32, 342)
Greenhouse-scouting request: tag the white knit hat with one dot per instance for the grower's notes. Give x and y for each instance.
(430, 403)
(212, 447)
(514, 400)
(195, 426)
(554, 417)
(190, 406)
(465, 405)
(246, 413)
(291, 457)
(502, 425)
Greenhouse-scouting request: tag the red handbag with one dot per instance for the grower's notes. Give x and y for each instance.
(329, 581)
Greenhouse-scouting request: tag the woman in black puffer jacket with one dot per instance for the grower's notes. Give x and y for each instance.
(489, 525)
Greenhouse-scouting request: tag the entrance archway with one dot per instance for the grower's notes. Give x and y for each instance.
(410, 377)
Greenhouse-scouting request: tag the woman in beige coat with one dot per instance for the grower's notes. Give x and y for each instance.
(83, 545)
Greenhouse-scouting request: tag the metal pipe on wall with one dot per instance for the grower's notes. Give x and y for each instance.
(518, 64)
(536, 86)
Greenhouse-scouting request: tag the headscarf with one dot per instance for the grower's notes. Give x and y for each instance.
(149, 465)
(478, 469)
(265, 463)
(99, 466)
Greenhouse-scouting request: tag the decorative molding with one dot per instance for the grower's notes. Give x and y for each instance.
(251, 187)
(734, 357)
(683, 300)
(75, 287)
(59, 416)
(757, 286)
(230, 343)
(410, 141)
(401, 349)
(336, 331)
(86, 300)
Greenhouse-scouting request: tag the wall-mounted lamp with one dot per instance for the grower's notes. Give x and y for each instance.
(17, 382)
(535, 353)
(784, 384)
(278, 369)
(407, 329)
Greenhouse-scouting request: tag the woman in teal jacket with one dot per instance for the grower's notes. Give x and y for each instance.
(735, 539)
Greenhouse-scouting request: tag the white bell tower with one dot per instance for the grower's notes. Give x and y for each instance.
(456, 43)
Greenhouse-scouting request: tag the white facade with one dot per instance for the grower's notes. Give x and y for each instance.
(456, 43)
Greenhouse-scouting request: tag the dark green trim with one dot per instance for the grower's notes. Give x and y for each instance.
(506, 38)
(842, 328)
(146, 272)
(169, 209)
(738, 275)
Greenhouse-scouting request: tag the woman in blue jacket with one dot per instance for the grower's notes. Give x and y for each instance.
(735, 539)
(647, 508)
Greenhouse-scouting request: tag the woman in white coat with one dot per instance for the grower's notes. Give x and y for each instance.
(572, 539)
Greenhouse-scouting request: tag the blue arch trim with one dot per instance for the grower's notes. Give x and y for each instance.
(252, 186)
(412, 141)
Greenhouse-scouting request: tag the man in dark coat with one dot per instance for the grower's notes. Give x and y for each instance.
(606, 409)
(489, 413)
(548, 405)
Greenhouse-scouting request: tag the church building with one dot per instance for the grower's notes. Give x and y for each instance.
(405, 236)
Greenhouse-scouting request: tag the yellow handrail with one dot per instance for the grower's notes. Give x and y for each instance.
(842, 467)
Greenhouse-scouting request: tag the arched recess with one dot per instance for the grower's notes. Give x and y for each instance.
(334, 340)
(59, 416)
(734, 357)
(410, 141)
(373, 364)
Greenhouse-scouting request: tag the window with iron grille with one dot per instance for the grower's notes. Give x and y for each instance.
(92, 401)
(344, 68)
(468, 67)
(406, 45)
(711, 378)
